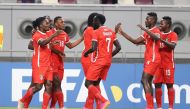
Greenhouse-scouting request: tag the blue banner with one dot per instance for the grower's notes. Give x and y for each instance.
(122, 87)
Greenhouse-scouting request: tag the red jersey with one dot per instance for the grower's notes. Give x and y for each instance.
(59, 43)
(152, 47)
(88, 33)
(42, 54)
(88, 38)
(105, 38)
(167, 54)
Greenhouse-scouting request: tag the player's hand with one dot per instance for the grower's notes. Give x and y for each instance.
(58, 32)
(117, 27)
(140, 26)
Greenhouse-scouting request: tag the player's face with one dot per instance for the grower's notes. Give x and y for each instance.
(148, 21)
(45, 25)
(60, 24)
(163, 25)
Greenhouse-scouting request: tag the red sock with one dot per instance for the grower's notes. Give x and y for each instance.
(46, 98)
(59, 95)
(53, 100)
(89, 101)
(149, 100)
(26, 104)
(97, 101)
(159, 97)
(93, 90)
(171, 96)
(28, 94)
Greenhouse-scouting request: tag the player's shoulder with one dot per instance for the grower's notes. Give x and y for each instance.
(156, 29)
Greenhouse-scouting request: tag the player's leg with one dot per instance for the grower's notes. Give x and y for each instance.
(90, 99)
(146, 81)
(48, 76)
(171, 95)
(98, 104)
(158, 95)
(47, 94)
(30, 92)
(169, 77)
(26, 104)
(158, 80)
(58, 91)
(38, 83)
(53, 96)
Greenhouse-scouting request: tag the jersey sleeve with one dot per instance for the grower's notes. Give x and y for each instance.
(67, 39)
(174, 38)
(36, 38)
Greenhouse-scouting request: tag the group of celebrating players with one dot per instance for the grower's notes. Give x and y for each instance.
(48, 43)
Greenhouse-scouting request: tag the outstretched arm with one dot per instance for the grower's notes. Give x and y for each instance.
(117, 47)
(43, 42)
(74, 44)
(118, 29)
(92, 49)
(153, 35)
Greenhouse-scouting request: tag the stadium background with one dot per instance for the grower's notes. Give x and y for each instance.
(123, 85)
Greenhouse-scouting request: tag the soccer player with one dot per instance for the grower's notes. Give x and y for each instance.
(57, 46)
(151, 56)
(102, 43)
(40, 63)
(167, 68)
(86, 61)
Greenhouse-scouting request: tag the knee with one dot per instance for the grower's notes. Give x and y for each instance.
(169, 86)
(38, 87)
(87, 83)
(48, 85)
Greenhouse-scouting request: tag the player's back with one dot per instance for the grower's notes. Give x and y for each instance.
(105, 38)
(88, 37)
(167, 53)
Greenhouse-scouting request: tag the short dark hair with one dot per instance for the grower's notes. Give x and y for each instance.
(36, 23)
(90, 18)
(168, 20)
(101, 17)
(56, 18)
(153, 14)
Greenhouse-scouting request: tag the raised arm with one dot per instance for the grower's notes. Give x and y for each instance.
(118, 29)
(43, 42)
(71, 45)
(151, 34)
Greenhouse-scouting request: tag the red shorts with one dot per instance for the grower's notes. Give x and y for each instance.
(85, 61)
(58, 70)
(97, 71)
(42, 73)
(151, 67)
(164, 75)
